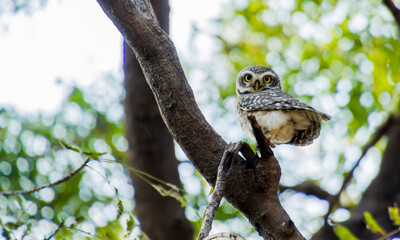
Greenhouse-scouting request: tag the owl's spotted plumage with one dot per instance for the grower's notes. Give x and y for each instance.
(283, 118)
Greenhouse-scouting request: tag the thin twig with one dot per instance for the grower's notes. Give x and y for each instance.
(389, 235)
(70, 175)
(216, 197)
(225, 235)
(57, 230)
(382, 130)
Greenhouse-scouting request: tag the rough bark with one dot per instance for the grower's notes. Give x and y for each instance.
(383, 191)
(253, 191)
(151, 150)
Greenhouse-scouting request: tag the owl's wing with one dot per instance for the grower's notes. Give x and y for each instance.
(274, 100)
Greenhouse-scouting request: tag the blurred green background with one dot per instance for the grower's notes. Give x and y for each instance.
(342, 57)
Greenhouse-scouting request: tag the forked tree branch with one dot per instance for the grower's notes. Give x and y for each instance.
(253, 190)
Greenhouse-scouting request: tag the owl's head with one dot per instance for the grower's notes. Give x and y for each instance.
(256, 78)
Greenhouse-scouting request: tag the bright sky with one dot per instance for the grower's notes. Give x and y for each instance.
(73, 41)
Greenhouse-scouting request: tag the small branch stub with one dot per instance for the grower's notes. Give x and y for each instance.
(223, 172)
(224, 235)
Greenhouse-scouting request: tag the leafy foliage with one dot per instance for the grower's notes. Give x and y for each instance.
(344, 233)
(88, 126)
(372, 224)
(342, 57)
(31, 155)
(346, 49)
(394, 215)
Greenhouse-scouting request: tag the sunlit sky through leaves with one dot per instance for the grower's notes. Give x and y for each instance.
(71, 42)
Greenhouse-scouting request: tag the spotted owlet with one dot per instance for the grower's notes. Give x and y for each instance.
(282, 118)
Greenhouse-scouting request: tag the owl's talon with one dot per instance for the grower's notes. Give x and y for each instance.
(268, 138)
(268, 142)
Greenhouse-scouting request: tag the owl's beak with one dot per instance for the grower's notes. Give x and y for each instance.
(257, 86)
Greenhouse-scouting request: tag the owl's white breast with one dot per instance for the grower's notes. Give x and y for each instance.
(272, 120)
(278, 123)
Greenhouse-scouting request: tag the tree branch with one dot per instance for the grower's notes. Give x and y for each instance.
(394, 10)
(380, 192)
(381, 131)
(64, 179)
(223, 171)
(56, 231)
(163, 72)
(144, 125)
(309, 188)
(253, 190)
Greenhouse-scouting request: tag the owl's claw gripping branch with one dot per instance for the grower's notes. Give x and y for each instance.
(269, 137)
(260, 178)
(262, 181)
(263, 143)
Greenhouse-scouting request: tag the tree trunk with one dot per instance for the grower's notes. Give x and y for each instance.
(253, 190)
(151, 150)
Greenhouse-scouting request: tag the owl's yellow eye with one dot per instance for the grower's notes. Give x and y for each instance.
(248, 77)
(267, 79)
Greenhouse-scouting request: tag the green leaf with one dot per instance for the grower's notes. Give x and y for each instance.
(69, 147)
(211, 191)
(12, 226)
(120, 208)
(372, 224)
(80, 219)
(130, 223)
(170, 193)
(110, 232)
(93, 155)
(344, 233)
(173, 186)
(394, 215)
(160, 189)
